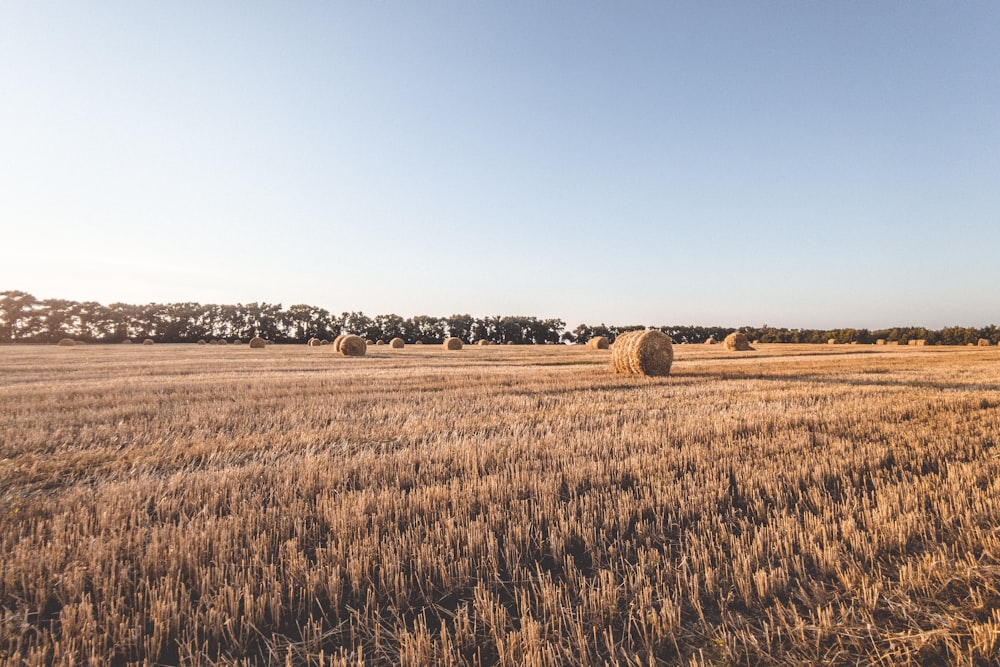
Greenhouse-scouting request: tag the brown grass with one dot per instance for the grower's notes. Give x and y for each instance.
(806, 506)
(452, 344)
(647, 352)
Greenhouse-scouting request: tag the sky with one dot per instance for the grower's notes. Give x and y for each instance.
(799, 164)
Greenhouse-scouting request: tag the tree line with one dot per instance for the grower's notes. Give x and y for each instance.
(25, 319)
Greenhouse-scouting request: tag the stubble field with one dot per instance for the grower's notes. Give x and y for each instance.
(820, 505)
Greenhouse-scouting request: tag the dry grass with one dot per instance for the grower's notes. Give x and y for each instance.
(522, 506)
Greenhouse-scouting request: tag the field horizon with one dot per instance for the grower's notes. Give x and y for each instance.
(499, 505)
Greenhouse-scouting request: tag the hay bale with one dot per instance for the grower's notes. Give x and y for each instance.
(353, 346)
(313, 342)
(880, 341)
(832, 341)
(237, 342)
(201, 341)
(893, 342)
(397, 343)
(148, 341)
(337, 341)
(985, 342)
(257, 343)
(510, 342)
(598, 343)
(452, 343)
(647, 352)
(324, 342)
(127, 341)
(380, 342)
(737, 342)
(710, 341)
(223, 341)
(66, 342)
(484, 342)
(920, 342)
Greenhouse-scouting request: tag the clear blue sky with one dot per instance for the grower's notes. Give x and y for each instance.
(800, 164)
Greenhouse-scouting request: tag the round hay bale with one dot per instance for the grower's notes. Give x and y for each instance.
(313, 342)
(324, 342)
(257, 343)
(223, 341)
(419, 342)
(737, 342)
(201, 341)
(710, 341)
(598, 343)
(66, 342)
(127, 341)
(832, 341)
(353, 346)
(647, 352)
(510, 342)
(397, 343)
(452, 343)
(336, 342)
(148, 341)
(369, 342)
(484, 342)
(380, 342)
(237, 342)
(985, 342)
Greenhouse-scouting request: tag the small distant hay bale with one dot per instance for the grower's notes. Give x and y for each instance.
(223, 341)
(127, 341)
(710, 341)
(756, 341)
(452, 343)
(313, 342)
(397, 343)
(201, 341)
(380, 342)
(647, 352)
(832, 341)
(892, 342)
(984, 342)
(920, 342)
(257, 343)
(598, 343)
(237, 342)
(148, 341)
(737, 342)
(67, 342)
(419, 342)
(353, 346)
(484, 342)
(510, 342)
(880, 341)
(324, 342)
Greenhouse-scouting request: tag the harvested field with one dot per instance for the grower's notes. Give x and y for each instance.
(813, 505)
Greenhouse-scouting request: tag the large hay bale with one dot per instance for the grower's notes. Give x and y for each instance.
(397, 343)
(452, 343)
(148, 341)
(985, 342)
(353, 346)
(737, 342)
(598, 343)
(647, 352)
(67, 342)
(257, 343)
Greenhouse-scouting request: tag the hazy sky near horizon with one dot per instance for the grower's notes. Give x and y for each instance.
(800, 164)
